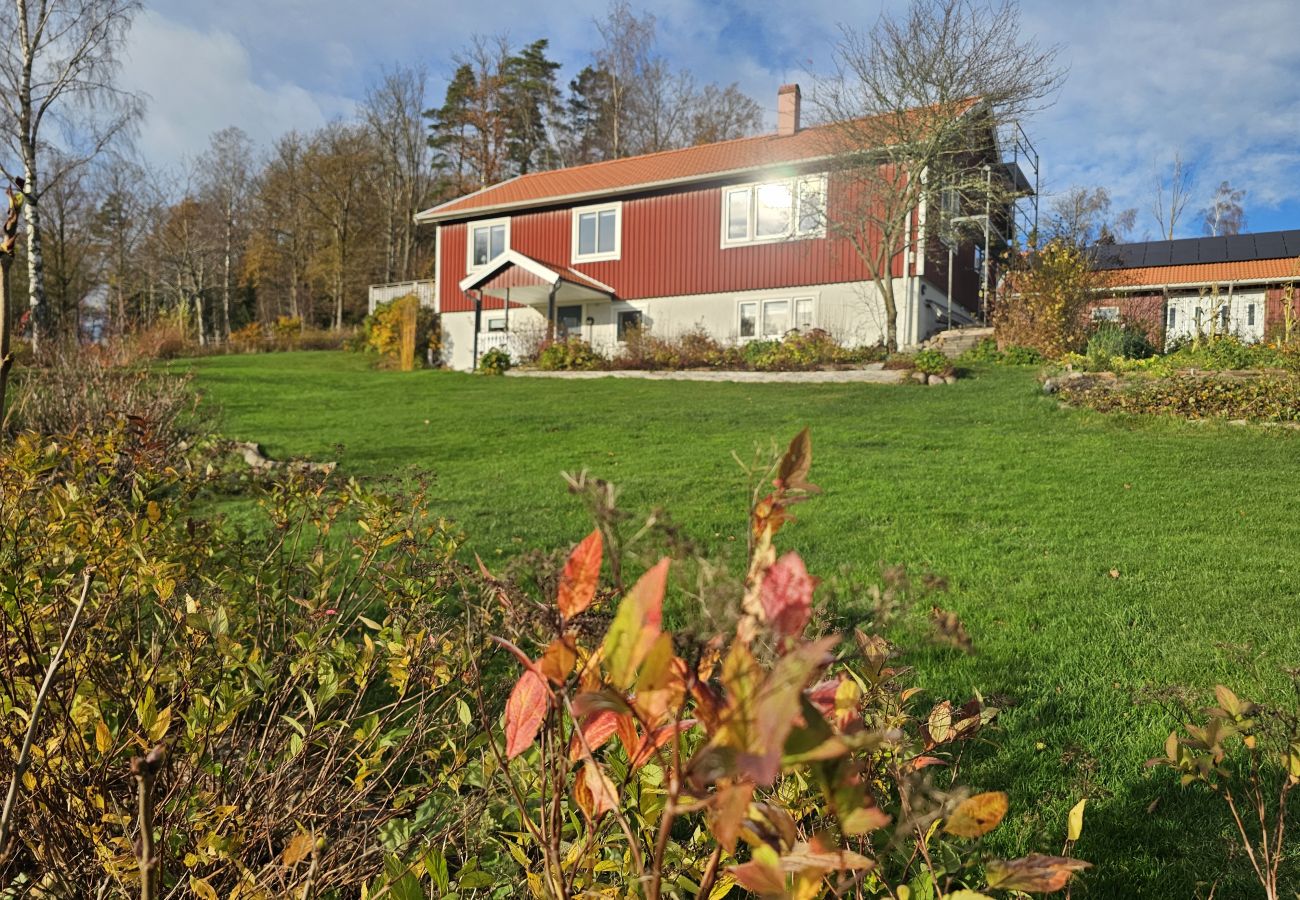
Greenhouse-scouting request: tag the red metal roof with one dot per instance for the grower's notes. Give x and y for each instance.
(651, 169)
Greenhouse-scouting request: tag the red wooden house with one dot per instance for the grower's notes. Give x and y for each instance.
(729, 237)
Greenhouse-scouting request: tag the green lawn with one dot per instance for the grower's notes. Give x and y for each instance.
(1025, 507)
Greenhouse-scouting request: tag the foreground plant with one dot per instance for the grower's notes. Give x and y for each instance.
(759, 757)
(1250, 757)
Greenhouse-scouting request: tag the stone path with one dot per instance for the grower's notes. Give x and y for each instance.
(872, 374)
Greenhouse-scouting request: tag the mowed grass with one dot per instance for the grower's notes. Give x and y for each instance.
(1026, 508)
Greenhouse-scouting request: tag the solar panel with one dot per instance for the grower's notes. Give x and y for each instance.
(1107, 256)
(1183, 253)
(1241, 247)
(1292, 240)
(1131, 255)
(1213, 250)
(1157, 254)
(1270, 245)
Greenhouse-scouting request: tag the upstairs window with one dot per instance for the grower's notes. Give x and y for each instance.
(774, 210)
(487, 241)
(597, 232)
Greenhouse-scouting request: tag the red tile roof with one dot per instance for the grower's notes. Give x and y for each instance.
(1205, 273)
(651, 169)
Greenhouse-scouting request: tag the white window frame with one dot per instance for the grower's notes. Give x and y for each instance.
(1105, 314)
(470, 228)
(760, 331)
(617, 252)
(797, 185)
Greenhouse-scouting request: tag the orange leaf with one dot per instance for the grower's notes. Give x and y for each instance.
(793, 471)
(525, 711)
(787, 596)
(603, 794)
(1037, 873)
(760, 877)
(977, 816)
(581, 575)
(558, 660)
(656, 739)
(727, 808)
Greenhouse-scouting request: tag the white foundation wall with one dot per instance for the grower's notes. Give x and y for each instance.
(852, 313)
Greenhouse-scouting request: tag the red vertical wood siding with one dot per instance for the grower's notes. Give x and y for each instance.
(671, 246)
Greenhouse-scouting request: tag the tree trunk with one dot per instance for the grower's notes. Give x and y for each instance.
(225, 284)
(6, 323)
(35, 258)
(891, 313)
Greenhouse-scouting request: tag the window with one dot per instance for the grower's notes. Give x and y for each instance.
(1105, 314)
(487, 241)
(803, 313)
(776, 318)
(1250, 316)
(748, 320)
(497, 324)
(596, 232)
(1223, 318)
(1173, 317)
(628, 320)
(774, 210)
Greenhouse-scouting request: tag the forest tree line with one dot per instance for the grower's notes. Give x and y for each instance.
(300, 228)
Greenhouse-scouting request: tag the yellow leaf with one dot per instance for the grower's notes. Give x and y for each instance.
(978, 815)
(158, 730)
(298, 848)
(1076, 819)
(155, 513)
(967, 895)
(202, 888)
(103, 738)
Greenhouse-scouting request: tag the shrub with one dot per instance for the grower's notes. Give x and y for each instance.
(986, 351)
(785, 764)
(1261, 399)
(281, 703)
(569, 355)
(1016, 355)
(932, 362)
(1111, 340)
(79, 389)
(383, 330)
(494, 362)
(1049, 289)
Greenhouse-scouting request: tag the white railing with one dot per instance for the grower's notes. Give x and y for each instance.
(514, 343)
(425, 289)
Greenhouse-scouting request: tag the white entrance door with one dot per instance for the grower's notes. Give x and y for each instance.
(1246, 320)
(1186, 316)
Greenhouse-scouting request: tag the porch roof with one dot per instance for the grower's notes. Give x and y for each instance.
(531, 281)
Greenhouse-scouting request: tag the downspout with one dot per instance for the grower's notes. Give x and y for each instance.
(550, 312)
(478, 324)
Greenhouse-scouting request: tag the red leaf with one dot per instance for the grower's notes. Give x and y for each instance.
(581, 575)
(525, 711)
(787, 595)
(595, 731)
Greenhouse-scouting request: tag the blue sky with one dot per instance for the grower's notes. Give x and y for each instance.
(1218, 82)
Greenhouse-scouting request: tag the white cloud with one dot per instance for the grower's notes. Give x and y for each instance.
(200, 81)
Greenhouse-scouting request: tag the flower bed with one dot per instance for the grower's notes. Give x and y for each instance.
(1248, 395)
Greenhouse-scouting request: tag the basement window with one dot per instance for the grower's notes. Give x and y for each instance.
(497, 324)
(1105, 314)
(628, 320)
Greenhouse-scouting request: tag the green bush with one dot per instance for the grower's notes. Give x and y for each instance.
(1116, 339)
(932, 362)
(569, 355)
(986, 351)
(1263, 399)
(1016, 355)
(495, 362)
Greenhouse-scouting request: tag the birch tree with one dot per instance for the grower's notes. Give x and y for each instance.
(914, 106)
(1171, 195)
(225, 169)
(58, 62)
(1225, 214)
(394, 113)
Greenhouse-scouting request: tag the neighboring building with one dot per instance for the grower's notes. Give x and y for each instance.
(728, 237)
(1226, 285)
(426, 290)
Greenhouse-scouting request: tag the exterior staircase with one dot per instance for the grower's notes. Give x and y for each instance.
(956, 341)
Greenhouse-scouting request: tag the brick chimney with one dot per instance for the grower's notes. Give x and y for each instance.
(787, 109)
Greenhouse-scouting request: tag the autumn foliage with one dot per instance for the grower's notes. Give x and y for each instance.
(763, 758)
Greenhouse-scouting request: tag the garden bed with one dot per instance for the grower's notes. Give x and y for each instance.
(1269, 396)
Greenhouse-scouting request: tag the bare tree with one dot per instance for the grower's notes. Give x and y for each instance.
(1225, 214)
(128, 203)
(58, 60)
(225, 176)
(720, 114)
(915, 105)
(1172, 194)
(626, 57)
(394, 112)
(1083, 217)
